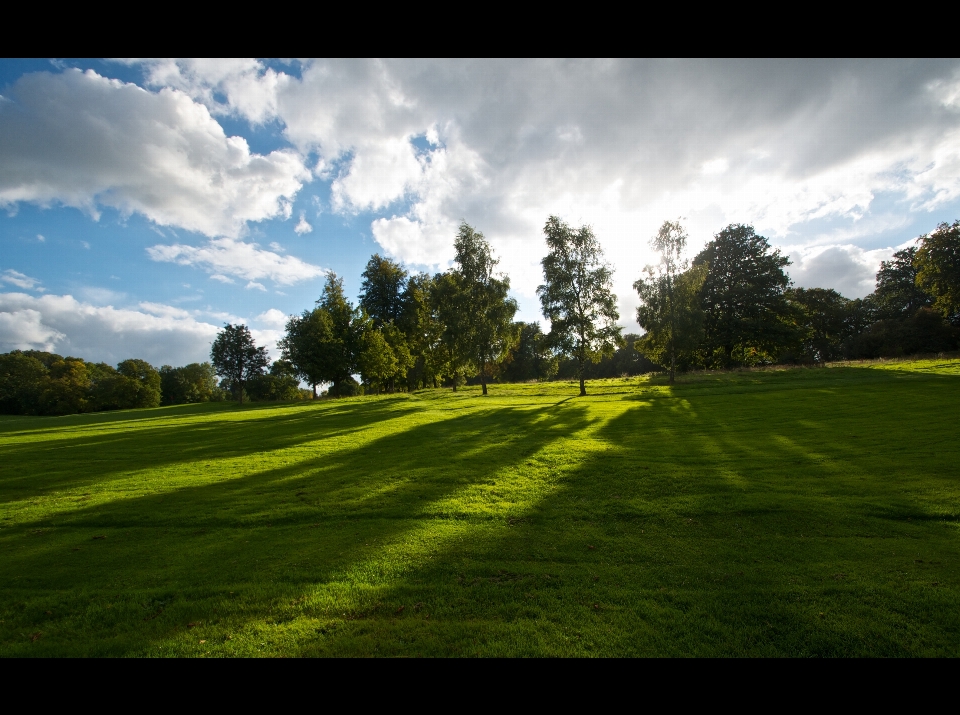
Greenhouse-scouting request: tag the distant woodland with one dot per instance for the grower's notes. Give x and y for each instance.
(733, 305)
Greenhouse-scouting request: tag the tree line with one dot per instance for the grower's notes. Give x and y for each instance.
(732, 305)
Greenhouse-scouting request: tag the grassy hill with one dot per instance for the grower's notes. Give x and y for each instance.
(779, 513)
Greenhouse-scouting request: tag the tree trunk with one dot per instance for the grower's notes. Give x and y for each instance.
(314, 386)
(583, 387)
(241, 393)
(673, 365)
(483, 377)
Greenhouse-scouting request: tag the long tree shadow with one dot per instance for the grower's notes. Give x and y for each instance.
(230, 551)
(72, 462)
(728, 541)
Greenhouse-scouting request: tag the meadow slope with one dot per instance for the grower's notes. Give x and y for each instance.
(781, 513)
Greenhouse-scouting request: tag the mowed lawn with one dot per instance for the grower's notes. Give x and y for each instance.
(806, 512)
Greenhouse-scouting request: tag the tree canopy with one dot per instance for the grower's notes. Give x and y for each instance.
(577, 296)
(236, 357)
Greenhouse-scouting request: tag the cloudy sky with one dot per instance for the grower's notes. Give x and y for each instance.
(145, 203)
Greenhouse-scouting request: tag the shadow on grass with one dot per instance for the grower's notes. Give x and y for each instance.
(268, 535)
(75, 461)
(755, 526)
(728, 542)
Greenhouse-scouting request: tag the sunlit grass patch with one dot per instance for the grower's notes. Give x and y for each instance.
(783, 512)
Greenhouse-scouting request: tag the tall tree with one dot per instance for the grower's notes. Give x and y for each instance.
(669, 307)
(341, 344)
(897, 295)
(475, 306)
(381, 290)
(423, 328)
(323, 343)
(577, 296)
(823, 316)
(746, 312)
(236, 357)
(938, 269)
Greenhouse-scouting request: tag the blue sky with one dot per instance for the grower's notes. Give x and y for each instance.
(143, 204)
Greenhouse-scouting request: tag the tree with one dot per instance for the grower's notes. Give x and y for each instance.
(530, 358)
(577, 296)
(745, 310)
(424, 330)
(323, 343)
(340, 343)
(280, 383)
(377, 361)
(938, 269)
(823, 318)
(196, 382)
(475, 306)
(897, 295)
(22, 378)
(669, 307)
(236, 357)
(302, 343)
(381, 290)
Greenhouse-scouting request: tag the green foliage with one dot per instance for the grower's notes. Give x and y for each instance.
(747, 319)
(531, 357)
(925, 332)
(378, 362)
(324, 344)
(424, 331)
(626, 361)
(236, 358)
(196, 382)
(382, 291)
(823, 319)
(302, 345)
(897, 295)
(774, 513)
(21, 381)
(670, 310)
(41, 383)
(474, 305)
(577, 296)
(938, 269)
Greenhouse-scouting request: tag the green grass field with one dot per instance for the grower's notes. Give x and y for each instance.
(781, 513)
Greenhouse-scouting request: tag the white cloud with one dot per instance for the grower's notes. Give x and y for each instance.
(156, 332)
(86, 141)
(273, 318)
(848, 269)
(623, 146)
(62, 324)
(23, 329)
(40, 238)
(221, 278)
(20, 280)
(301, 228)
(253, 284)
(223, 257)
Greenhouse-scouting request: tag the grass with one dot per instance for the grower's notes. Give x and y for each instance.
(806, 512)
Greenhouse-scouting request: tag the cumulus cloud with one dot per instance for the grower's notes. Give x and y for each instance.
(224, 257)
(301, 228)
(20, 280)
(272, 318)
(62, 324)
(847, 269)
(158, 333)
(82, 140)
(621, 145)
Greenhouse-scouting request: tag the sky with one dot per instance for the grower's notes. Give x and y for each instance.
(145, 203)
